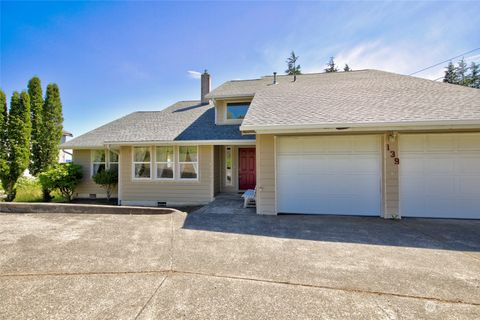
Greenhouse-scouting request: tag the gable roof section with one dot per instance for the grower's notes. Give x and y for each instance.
(360, 99)
(183, 121)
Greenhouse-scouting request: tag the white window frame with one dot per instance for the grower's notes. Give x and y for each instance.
(173, 162)
(229, 183)
(191, 162)
(235, 102)
(135, 162)
(93, 163)
(113, 162)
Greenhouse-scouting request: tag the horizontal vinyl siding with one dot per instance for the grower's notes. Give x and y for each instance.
(87, 186)
(176, 192)
(266, 174)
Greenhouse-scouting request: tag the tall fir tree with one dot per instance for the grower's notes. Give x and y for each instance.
(331, 66)
(292, 67)
(36, 102)
(3, 133)
(17, 142)
(474, 76)
(462, 70)
(52, 126)
(451, 74)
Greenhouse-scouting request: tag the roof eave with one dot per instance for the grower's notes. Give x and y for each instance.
(380, 126)
(230, 96)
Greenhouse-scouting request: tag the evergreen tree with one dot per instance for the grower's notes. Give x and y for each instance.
(474, 76)
(17, 142)
(347, 68)
(461, 71)
(52, 126)
(36, 102)
(331, 67)
(451, 74)
(3, 133)
(293, 68)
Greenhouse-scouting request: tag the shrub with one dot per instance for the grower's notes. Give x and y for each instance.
(108, 180)
(64, 177)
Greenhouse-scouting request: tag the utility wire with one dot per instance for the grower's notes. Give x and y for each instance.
(435, 65)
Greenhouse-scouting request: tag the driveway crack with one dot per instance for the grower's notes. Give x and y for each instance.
(151, 297)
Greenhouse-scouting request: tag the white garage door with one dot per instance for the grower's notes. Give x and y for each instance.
(329, 175)
(440, 175)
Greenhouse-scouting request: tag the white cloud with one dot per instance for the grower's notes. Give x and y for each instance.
(194, 74)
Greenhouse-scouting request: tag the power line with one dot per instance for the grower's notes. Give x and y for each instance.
(437, 64)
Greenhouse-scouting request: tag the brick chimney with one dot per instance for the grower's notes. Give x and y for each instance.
(205, 86)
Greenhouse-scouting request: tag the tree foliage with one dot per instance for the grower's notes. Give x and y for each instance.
(16, 142)
(473, 79)
(462, 74)
(63, 177)
(107, 179)
(450, 74)
(3, 133)
(36, 102)
(347, 68)
(292, 67)
(51, 132)
(52, 126)
(331, 66)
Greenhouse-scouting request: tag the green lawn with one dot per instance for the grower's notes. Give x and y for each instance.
(29, 190)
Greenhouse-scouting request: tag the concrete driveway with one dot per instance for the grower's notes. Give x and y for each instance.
(219, 266)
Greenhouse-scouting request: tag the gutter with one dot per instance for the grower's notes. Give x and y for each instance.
(108, 144)
(375, 126)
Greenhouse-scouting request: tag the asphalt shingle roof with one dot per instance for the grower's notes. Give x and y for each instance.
(183, 121)
(359, 98)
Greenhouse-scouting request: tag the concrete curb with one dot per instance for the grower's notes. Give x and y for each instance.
(23, 207)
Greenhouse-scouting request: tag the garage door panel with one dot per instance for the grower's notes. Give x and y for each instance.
(412, 163)
(439, 185)
(439, 142)
(469, 142)
(469, 186)
(339, 175)
(411, 144)
(469, 164)
(441, 179)
(441, 164)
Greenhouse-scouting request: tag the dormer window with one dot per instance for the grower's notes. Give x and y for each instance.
(237, 110)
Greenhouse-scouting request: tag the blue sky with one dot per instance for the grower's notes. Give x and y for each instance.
(113, 58)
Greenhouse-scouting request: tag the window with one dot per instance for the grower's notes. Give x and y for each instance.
(188, 162)
(165, 164)
(228, 166)
(102, 161)
(99, 162)
(113, 161)
(237, 110)
(141, 162)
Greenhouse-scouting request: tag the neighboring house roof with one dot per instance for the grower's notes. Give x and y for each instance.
(183, 121)
(359, 98)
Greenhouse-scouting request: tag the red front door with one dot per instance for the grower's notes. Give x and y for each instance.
(246, 169)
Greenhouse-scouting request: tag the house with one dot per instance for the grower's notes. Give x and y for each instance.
(350, 143)
(65, 155)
